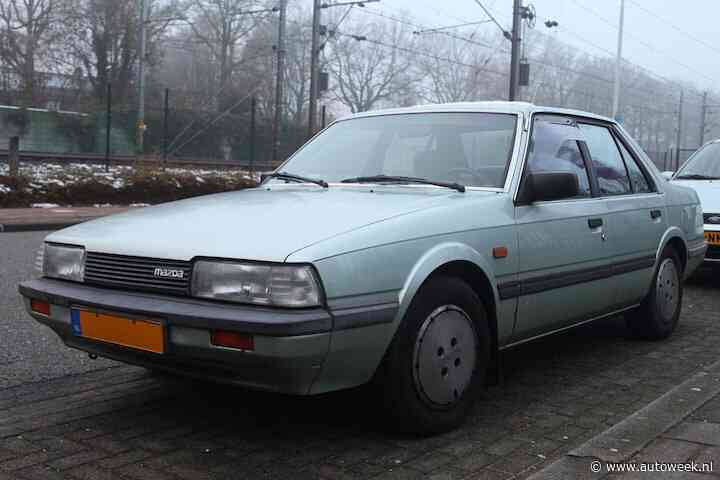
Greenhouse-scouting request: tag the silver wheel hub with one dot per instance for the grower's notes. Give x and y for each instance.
(445, 354)
(667, 293)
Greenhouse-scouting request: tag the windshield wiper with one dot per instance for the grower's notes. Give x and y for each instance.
(696, 176)
(296, 178)
(398, 179)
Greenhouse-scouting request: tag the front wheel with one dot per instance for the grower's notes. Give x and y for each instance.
(438, 359)
(658, 315)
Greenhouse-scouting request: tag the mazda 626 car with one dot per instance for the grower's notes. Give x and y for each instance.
(402, 248)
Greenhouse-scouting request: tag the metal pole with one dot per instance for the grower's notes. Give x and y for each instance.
(515, 52)
(108, 125)
(141, 80)
(279, 80)
(679, 130)
(14, 156)
(618, 62)
(253, 111)
(166, 126)
(323, 115)
(314, 68)
(703, 118)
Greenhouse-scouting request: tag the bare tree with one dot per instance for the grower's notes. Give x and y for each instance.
(221, 25)
(105, 41)
(455, 69)
(27, 31)
(371, 65)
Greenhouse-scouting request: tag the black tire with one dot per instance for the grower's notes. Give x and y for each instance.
(397, 377)
(649, 321)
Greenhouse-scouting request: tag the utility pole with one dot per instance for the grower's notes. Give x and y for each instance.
(314, 68)
(515, 53)
(108, 124)
(166, 126)
(703, 117)
(679, 130)
(253, 114)
(618, 61)
(141, 79)
(315, 56)
(279, 80)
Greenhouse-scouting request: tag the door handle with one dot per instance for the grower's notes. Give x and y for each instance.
(595, 222)
(655, 214)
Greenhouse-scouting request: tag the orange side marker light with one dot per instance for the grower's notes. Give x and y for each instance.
(500, 252)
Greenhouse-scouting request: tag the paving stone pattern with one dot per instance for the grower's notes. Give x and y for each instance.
(123, 422)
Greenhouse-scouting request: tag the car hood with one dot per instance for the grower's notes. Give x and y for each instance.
(255, 224)
(708, 191)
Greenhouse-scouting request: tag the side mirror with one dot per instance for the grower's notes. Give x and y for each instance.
(668, 175)
(546, 186)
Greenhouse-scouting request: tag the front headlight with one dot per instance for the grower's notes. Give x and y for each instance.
(64, 262)
(274, 285)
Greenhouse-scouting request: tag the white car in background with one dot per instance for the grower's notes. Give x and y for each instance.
(701, 172)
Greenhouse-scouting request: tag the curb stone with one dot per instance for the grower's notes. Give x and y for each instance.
(625, 439)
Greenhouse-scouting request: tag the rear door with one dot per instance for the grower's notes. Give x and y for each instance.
(562, 278)
(635, 212)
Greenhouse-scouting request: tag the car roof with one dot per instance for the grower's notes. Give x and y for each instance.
(480, 107)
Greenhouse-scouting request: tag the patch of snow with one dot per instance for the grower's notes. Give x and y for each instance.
(139, 205)
(44, 205)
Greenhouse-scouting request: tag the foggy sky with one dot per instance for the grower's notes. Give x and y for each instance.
(649, 42)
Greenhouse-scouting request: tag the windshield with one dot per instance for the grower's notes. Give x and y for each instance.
(704, 163)
(471, 149)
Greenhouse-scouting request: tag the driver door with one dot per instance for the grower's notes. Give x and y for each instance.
(561, 243)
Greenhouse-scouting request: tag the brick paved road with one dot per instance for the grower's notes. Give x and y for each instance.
(120, 422)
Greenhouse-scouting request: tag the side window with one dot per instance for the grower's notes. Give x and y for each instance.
(607, 162)
(639, 182)
(554, 148)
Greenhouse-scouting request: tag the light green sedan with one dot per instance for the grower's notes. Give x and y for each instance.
(403, 248)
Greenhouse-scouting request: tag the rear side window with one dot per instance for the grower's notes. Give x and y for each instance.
(607, 162)
(638, 179)
(554, 148)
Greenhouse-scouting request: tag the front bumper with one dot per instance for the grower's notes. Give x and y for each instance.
(290, 345)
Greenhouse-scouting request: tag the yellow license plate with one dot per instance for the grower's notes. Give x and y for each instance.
(713, 238)
(142, 334)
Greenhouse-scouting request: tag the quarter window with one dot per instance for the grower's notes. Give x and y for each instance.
(554, 148)
(607, 162)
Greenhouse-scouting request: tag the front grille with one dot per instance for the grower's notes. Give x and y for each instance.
(136, 273)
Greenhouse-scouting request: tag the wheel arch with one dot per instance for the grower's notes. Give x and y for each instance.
(675, 238)
(464, 262)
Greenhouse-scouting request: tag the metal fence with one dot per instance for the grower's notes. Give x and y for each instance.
(235, 138)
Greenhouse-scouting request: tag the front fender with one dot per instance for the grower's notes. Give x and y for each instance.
(435, 258)
(367, 344)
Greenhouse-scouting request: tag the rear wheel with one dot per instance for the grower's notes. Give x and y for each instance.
(658, 315)
(438, 359)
